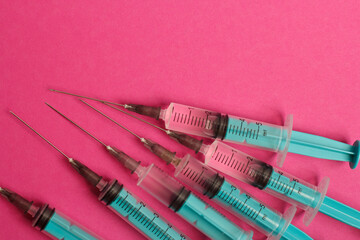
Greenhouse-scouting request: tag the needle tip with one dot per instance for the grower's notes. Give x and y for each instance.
(51, 89)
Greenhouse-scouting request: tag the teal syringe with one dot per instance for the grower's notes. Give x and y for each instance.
(281, 139)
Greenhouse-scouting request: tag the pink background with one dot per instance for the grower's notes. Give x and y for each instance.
(256, 59)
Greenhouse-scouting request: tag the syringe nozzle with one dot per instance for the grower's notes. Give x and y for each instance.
(93, 178)
(4, 192)
(186, 140)
(153, 112)
(20, 202)
(124, 159)
(161, 152)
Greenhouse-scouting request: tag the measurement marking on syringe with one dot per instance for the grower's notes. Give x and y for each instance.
(236, 163)
(150, 225)
(283, 186)
(226, 159)
(232, 155)
(197, 176)
(240, 205)
(188, 173)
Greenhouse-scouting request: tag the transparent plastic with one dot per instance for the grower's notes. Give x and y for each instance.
(296, 191)
(191, 120)
(248, 169)
(205, 218)
(237, 164)
(257, 134)
(61, 227)
(143, 217)
(200, 177)
(229, 128)
(159, 184)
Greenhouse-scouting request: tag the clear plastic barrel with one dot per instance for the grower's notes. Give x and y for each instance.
(243, 167)
(61, 227)
(229, 128)
(237, 164)
(204, 179)
(202, 216)
(298, 192)
(160, 185)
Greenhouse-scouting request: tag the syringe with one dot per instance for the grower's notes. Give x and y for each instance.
(48, 220)
(216, 187)
(174, 195)
(250, 170)
(124, 203)
(281, 139)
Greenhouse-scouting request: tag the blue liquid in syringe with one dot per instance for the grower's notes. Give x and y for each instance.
(143, 218)
(293, 189)
(255, 133)
(236, 200)
(255, 212)
(61, 228)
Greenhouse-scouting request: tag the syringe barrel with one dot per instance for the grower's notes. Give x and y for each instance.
(205, 218)
(136, 213)
(298, 192)
(229, 128)
(163, 187)
(208, 182)
(237, 164)
(248, 169)
(57, 226)
(195, 121)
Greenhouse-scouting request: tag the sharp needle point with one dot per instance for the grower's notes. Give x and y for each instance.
(94, 99)
(112, 120)
(40, 135)
(57, 111)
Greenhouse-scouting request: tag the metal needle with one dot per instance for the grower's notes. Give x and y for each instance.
(162, 129)
(41, 136)
(142, 139)
(76, 124)
(95, 99)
